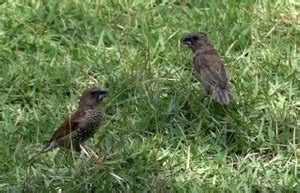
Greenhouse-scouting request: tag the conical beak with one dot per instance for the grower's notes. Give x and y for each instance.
(186, 40)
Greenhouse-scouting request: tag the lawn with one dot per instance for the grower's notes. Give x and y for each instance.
(161, 134)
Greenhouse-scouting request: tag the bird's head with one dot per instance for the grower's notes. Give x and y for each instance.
(195, 40)
(92, 97)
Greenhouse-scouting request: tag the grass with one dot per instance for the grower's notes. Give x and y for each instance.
(160, 134)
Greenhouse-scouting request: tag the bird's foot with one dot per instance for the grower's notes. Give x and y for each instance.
(89, 152)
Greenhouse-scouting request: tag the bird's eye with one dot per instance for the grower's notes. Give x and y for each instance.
(194, 38)
(93, 93)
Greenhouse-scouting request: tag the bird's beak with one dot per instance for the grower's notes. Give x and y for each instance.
(103, 93)
(186, 40)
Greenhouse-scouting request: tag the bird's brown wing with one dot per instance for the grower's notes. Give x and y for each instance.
(211, 70)
(70, 124)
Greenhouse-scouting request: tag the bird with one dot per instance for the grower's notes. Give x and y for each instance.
(209, 67)
(81, 125)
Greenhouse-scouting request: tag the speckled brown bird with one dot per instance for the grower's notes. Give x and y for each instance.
(81, 124)
(209, 67)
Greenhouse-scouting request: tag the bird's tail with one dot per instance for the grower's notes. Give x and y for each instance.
(49, 147)
(222, 95)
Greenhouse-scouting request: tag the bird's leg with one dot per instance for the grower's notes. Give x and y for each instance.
(90, 153)
(207, 96)
(84, 151)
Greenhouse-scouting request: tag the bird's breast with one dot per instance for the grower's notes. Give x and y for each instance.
(93, 115)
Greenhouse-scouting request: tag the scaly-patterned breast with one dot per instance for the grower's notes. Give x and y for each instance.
(93, 121)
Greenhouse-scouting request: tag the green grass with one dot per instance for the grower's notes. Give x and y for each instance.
(160, 133)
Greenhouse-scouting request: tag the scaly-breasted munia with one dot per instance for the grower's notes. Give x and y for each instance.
(209, 67)
(81, 124)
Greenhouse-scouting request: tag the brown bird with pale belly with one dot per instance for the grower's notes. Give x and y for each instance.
(82, 124)
(209, 67)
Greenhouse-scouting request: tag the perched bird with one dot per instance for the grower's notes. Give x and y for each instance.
(209, 67)
(81, 124)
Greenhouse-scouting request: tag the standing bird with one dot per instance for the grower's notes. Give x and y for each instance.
(81, 124)
(209, 66)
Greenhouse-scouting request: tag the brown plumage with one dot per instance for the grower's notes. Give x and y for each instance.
(81, 124)
(209, 66)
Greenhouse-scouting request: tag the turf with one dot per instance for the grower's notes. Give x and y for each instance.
(161, 133)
